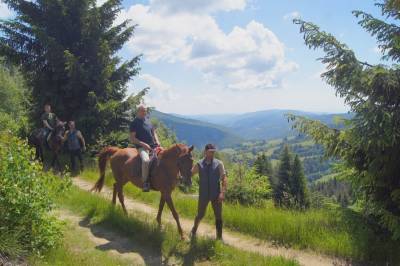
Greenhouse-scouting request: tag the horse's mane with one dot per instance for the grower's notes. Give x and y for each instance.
(173, 151)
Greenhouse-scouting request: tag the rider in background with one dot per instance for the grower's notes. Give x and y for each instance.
(49, 121)
(76, 144)
(144, 136)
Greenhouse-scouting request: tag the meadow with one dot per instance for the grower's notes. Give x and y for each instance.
(336, 231)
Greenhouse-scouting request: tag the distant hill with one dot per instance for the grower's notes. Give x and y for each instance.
(196, 132)
(228, 130)
(264, 125)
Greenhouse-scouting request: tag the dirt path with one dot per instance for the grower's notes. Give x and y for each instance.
(114, 243)
(233, 239)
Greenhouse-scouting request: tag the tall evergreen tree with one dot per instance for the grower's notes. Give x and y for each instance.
(299, 184)
(282, 191)
(263, 165)
(370, 145)
(67, 49)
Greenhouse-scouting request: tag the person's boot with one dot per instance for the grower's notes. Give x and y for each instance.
(218, 228)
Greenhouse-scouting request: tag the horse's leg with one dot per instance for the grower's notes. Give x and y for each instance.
(36, 153)
(53, 161)
(121, 197)
(114, 198)
(59, 164)
(160, 209)
(171, 206)
(41, 153)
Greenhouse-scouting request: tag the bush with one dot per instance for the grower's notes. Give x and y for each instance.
(26, 199)
(247, 187)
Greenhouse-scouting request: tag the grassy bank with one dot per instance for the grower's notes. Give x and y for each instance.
(337, 231)
(76, 250)
(145, 232)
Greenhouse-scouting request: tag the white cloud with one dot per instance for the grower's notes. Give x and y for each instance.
(100, 2)
(196, 6)
(377, 50)
(5, 12)
(250, 57)
(160, 92)
(292, 15)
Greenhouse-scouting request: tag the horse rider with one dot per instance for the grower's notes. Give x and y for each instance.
(49, 121)
(75, 143)
(212, 187)
(143, 135)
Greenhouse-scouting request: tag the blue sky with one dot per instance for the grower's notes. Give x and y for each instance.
(235, 56)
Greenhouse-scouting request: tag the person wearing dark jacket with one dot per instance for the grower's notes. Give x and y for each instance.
(212, 187)
(75, 144)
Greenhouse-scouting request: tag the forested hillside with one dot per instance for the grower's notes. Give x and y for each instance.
(198, 133)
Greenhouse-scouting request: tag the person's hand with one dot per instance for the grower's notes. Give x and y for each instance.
(83, 148)
(146, 146)
(221, 197)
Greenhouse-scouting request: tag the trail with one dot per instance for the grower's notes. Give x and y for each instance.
(111, 242)
(234, 239)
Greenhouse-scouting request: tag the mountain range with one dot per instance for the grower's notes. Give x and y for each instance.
(227, 130)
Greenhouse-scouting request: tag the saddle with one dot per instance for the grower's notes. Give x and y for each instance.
(154, 162)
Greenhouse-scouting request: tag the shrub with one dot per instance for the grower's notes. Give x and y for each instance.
(247, 187)
(26, 199)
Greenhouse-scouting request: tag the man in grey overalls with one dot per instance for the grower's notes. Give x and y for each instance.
(212, 187)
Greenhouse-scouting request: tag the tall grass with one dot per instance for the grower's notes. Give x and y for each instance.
(334, 231)
(146, 233)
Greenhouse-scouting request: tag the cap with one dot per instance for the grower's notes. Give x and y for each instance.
(210, 147)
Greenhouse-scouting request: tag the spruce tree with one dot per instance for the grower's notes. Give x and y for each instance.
(263, 165)
(282, 191)
(299, 184)
(67, 50)
(370, 145)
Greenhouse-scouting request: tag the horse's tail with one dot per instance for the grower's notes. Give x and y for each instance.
(104, 156)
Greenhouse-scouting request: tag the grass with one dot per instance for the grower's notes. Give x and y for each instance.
(145, 232)
(335, 231)
(76, 250)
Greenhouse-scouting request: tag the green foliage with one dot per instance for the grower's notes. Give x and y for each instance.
(26, 198)
(15, 96)
(370, 145)
(247, 187)
(67, 50)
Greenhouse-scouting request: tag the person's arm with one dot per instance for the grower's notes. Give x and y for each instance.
(224, 182)
(46, 124)
(80, 136)
(156, 137)
(195, 169)
(65, 136)
(136, 141)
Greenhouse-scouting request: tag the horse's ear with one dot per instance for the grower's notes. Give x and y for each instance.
(191, 148)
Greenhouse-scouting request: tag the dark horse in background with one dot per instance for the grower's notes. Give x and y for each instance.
(55, 143)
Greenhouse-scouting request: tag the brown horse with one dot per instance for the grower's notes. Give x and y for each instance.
(126, 166)
(55, 143)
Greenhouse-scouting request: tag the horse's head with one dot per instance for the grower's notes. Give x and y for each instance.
(59, 130)
(185, 164)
